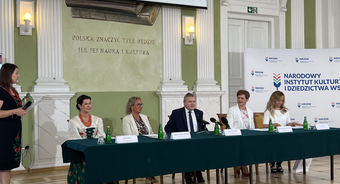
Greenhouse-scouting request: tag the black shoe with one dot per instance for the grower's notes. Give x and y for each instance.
(189, 181)
(273, 169)
(200, 180)
(279, 169)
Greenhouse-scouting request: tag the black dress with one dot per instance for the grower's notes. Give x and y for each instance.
(10, 133)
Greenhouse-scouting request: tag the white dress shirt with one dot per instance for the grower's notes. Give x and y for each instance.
(194, 121)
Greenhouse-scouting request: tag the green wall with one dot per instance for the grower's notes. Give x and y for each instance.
(25, 57)
(310, 32)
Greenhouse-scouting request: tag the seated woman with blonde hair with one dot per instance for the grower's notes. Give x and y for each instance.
(278, 112)
(135, 123)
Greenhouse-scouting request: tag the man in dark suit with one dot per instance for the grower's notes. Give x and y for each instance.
(185, 119)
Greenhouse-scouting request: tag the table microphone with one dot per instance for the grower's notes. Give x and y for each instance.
(225, 122)
(214, 121)
(27, 105)
(202, 121)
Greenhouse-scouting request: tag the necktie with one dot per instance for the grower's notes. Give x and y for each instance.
(191, 122)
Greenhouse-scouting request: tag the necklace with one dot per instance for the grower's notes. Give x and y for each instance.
(87, 124)
(15, 97)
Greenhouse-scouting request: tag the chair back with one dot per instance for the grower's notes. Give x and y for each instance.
(258, 119)
(220, 119)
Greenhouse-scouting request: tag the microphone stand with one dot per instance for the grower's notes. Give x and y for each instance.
(204, 129)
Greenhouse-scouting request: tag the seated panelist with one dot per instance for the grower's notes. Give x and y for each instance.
(241, 117)
(278, 112)
(185, 119)
(135, 123)
(77, 130)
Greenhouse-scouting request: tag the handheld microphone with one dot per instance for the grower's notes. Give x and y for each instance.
(27, 105)
(202, 121)
(225, 122)
(214, 121)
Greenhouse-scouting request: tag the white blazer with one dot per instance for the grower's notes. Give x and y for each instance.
(235, 120)
(130, 127)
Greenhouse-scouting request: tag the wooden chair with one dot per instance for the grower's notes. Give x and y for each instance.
(258, 120)
(134, 179)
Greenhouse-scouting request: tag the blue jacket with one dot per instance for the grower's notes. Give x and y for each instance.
(178, 121)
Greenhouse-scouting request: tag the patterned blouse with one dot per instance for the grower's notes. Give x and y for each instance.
(245, 119)
(142, 128)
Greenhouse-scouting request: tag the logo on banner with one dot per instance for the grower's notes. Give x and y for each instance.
(252, 72)
(305, 105)
(258, 89)
(303, 60)
(336, 104)
(324, 120)
(334, 59)
(266, 59)
(277, 80)
(258, 73)
(315, 120)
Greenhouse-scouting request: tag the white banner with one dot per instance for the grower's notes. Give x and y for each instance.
(309, 78)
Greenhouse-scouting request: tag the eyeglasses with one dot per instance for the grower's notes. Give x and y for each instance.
(139, 104)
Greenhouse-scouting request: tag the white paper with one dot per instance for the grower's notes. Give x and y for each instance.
(282, 129)
(180, 135)
(126, 139)
(322, 126)
(35, 103)
(260, 129)
(152, 135)
(297, 127)
(231, 132)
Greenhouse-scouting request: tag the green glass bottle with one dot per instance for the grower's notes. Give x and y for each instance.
(270, 126)
(108, 136)
(216, 130)
(305, 124)
(160, 132)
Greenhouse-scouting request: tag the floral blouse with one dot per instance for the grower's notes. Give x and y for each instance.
(77, 130)
(245, 118)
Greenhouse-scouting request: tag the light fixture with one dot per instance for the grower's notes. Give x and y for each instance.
(188, 29)
(25, 16)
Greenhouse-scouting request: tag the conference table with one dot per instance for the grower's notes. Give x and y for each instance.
(153, 157)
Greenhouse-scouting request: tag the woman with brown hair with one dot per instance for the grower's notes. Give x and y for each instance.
(10, 122)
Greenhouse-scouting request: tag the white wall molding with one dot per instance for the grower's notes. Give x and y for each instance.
(318, 24)
(50, 127)
(272, 11)
(50, 52)
(297, 24)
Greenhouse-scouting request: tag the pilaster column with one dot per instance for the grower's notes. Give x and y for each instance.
(205, 49)
(172, 89)
(282, 24)
(298, 24)
(52, 113)
(207, 92)
(7, 33)
(50, 51)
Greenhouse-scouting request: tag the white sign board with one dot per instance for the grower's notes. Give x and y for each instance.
(309, 78)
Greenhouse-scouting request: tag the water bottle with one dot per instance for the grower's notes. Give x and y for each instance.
(160, 132)
(270, 126)
(108, 136)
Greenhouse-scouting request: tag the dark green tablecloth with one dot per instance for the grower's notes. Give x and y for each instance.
(153, 157)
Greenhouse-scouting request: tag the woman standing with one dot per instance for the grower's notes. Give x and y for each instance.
(241, 117)
(278, 112)
(135, 123)
(77, 130)
(10, 122)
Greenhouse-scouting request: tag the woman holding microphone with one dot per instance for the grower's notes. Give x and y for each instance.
(10, 122)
